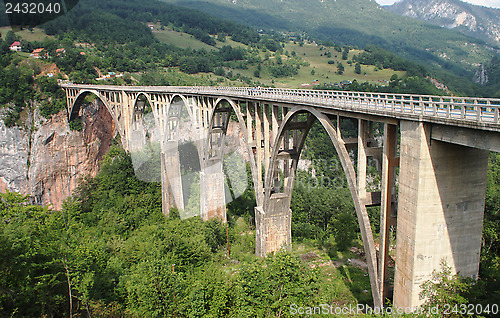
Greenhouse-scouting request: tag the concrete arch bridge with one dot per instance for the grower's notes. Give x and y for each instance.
(439, 145)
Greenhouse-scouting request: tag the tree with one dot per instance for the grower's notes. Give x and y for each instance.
(340, 69)
(345, 227)
(345, 53)
(445, 290)
(357, 68)
(33, 280)
(265, 288)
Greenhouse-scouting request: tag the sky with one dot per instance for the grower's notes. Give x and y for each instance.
(487, 3)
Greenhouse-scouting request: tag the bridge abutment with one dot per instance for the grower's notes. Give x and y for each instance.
(442, 188)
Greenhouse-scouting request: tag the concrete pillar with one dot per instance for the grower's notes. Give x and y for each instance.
(442, 190)
(387, 206)
(362, 144)
(212, 191)
(273, 226)
(171, 180)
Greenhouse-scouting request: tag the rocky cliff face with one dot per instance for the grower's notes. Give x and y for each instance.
(477, 21)
(13, 159)
(48, 163)
(481, 76)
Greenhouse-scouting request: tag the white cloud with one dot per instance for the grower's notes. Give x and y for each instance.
(487, 3)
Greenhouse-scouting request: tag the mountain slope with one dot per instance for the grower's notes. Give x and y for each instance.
(477, 21)
(355, 22)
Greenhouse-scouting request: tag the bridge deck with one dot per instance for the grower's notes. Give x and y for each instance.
(470, 112)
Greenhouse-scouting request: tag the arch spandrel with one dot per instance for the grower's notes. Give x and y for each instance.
(271, 199)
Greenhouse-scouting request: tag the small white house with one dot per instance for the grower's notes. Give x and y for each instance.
(16, 46)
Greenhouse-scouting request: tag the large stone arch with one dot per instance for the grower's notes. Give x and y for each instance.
(74, 109)
(279, 202)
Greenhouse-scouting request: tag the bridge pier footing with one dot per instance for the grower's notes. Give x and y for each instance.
(442, 189)
(274, 227)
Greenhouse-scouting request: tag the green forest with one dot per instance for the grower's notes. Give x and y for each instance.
(110, 252)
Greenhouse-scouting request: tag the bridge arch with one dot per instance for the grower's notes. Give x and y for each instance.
(216, 174)
(184, 100)
(234, 109)
(75, 108)
(182, 152)
(141, 109)
(278, 197)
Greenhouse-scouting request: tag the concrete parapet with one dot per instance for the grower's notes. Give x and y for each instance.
(442, 188)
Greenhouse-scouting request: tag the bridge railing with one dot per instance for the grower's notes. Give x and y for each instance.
(481, 110)
(462, 108)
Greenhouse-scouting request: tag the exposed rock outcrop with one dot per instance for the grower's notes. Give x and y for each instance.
(13, 158)
(481, 76)
(477, 21)
(49, 170)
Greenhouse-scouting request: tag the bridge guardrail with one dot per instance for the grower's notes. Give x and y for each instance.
(472, 109)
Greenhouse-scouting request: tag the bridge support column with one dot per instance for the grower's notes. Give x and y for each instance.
(390, 162)
(212, 191)
(273, 226)
(442, 190)
(171, 180)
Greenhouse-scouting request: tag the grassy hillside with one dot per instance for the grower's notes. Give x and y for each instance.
(356, 22)
(36, 34)
(315, 59)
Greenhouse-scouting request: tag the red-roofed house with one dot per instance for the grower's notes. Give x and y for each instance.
(60, 51)
(38, 53)
(16, 46)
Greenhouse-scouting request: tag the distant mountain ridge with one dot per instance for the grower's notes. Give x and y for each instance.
(477, 21)
(358, 23)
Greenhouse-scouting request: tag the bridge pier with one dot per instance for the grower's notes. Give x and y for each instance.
(274, 227)
(442, 188)
(212, 191)
(171, 180)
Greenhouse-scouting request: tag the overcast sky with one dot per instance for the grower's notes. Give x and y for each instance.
(488, 3)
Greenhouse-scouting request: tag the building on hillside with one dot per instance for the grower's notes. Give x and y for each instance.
(60, 51)
(39, 53)
(16, 46)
